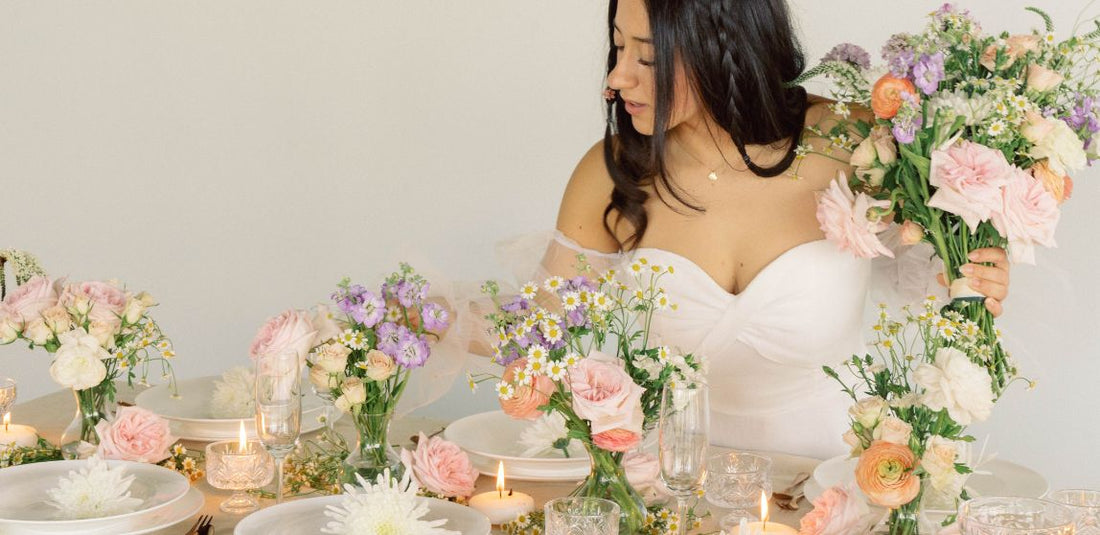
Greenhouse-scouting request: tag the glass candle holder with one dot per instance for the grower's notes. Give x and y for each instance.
(1085, 505)
(231, 467)
(1015, 516)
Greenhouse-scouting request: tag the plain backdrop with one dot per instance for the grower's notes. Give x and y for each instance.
(235, 158)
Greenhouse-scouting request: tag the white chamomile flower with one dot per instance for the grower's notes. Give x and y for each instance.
(1002, 108)
(570, 301)
(393, 314)
(505, 390)
(663, 353)
(997, 128)
(387, 505)
(1049, 38)
(529, 290)
(841, 108)
(528, 323)
(601, 301)
(502, 336)
(553, 284)
(164, 345)
(551, 332)
(661, 301)
(537, 352)
(636, 268)
(347, 337)
(471, 382)
(359, 341)
(536, 366)
(522, 377)
(556, 370)
(571, 359)
(639, 294)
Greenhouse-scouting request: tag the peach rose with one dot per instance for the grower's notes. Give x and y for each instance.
(885, 474)
(893, 430)
(101, 301)
(380, 366)
(1055, 184)
(528, 398)
(57, 319)
(441, 467)
(619, 440)
(289, 332)
(1040, 78)
(838, 511)
(886, 95)
(34, 296)
(333, 358)
(606, 396)
(11, 322)
(135, 434)
(1015, 47)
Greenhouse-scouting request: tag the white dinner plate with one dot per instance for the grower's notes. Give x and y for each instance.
(994, 478)
(189, 414)
(165, 517)
(23, 506)
(493, 436)
(308, 516)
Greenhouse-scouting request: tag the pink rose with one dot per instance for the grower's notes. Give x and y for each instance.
(618, 440)
(968, 178)
(850, 222)
(641, 469)
(441, 467)
(1028, 217)
(838, 511)
(525, 403)
(100, 300)
(135, 434)
(289, 332)
(606, 396)
(34, 296)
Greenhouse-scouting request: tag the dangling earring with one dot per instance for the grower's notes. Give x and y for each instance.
(609, 94)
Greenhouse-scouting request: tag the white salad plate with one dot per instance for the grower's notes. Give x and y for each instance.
(308, 516)
(993, 478)
(23, 507)
(489, 437)
(189, 416)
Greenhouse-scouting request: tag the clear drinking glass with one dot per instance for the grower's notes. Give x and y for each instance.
(7, 394)
(1015, 516)
(735, 481)
(278, 408)
(581, 516)
(684, 431)
(1085, 505)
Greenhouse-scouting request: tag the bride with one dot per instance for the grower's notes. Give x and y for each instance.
(704, 167)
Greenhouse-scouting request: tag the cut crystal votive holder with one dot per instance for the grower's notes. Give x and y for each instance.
(231, 467)
(1015, 516)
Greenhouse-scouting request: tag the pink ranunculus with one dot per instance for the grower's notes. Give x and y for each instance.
(135, 434)
(441, 467)
(641, 469)
(969, 178)
(849, 222)
(619, 440)
(838, 511)
(528, 398)
(606, 396)
(34, 296)
(289, 332)
(1028, 216)
(104, 301)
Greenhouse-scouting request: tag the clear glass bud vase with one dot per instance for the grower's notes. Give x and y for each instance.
(80, 439)
(372, 453)
(607, 480)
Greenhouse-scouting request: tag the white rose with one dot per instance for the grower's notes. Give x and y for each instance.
(104, 332)
(353, 390)
(333, 358)
(37, 331)
(380, 366)
(886, 149)
(864, 154)
(868, 412)
(342, 404)
(78, 363)
(1054, 139)
(80, 305)
(893, 430)
(939, 461)
(136, 306)
(57, 319)
(956, 384)
(873, 175)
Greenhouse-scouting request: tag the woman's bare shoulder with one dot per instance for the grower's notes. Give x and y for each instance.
(586, 197)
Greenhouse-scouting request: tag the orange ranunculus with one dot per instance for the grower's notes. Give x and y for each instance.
(1054, 183)
(886, 95)
(885, 474)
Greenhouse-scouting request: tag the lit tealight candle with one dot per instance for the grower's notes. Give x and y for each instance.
(763, 527)
(23, 436)
(502, 506)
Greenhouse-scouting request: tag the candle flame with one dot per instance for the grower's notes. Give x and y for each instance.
(764, 508)
(500, 478)
(244, 439)
(7, 420)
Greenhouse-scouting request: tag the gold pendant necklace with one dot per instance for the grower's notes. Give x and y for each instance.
(713, 174)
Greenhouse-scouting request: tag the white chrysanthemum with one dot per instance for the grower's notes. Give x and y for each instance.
(386, 507)
(233, 396)
(96, 491)
(956, 384)
(974, 109)
(538, 438)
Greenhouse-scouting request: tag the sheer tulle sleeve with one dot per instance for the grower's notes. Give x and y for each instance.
(907, 278)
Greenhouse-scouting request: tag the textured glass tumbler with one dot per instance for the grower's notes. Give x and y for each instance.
(581, 516)
(735, 481)
(1015, 516)
(1085, 505)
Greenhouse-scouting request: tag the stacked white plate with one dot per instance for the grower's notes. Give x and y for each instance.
(493, 436)
(994, 478)
(189, 417)
(166, 499)
(308, 516)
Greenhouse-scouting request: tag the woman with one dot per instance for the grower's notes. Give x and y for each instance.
(699, 170)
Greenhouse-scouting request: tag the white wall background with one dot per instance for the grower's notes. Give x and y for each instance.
(235, 158)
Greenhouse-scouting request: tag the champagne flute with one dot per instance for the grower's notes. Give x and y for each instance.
(278, 408)
(684, 431)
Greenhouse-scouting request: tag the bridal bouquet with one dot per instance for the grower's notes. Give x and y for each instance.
(363, 358)
(551, 342)
(97, 333)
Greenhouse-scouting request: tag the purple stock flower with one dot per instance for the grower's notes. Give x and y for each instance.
(371, 311)
(928, 72)
(435, 317)
(899, 55)
(517, 305)
(908, 119)
(1083, 115)
(579, 284)
(849, 53)
(576, 317)
(389, 338)
(412, 351)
